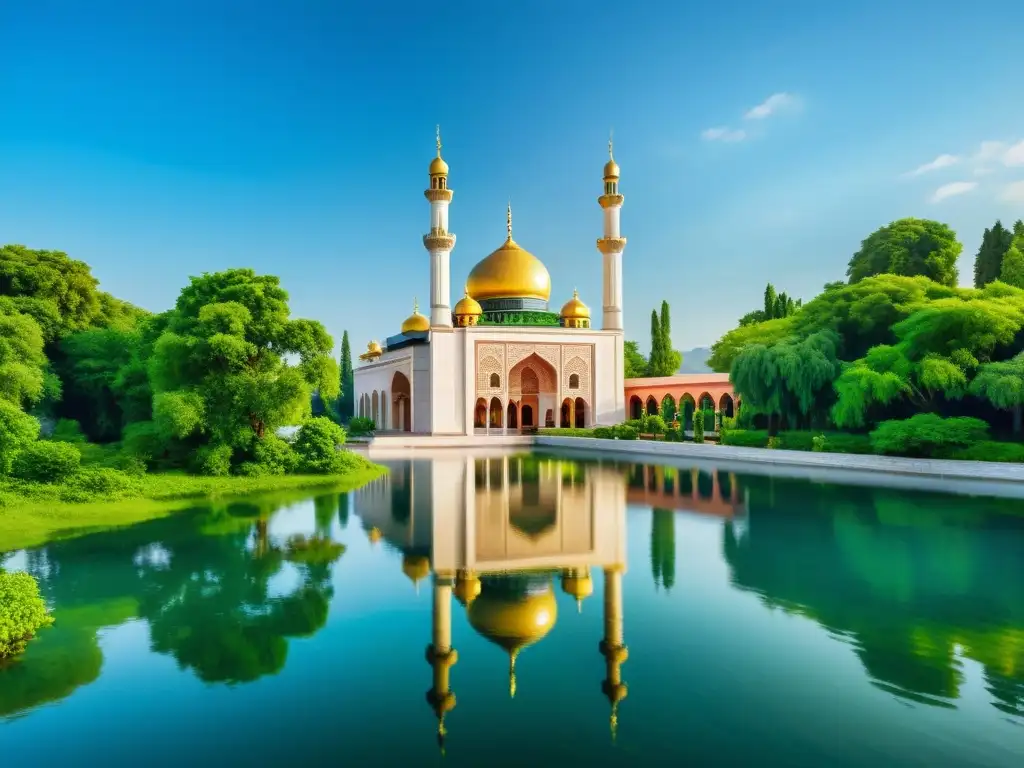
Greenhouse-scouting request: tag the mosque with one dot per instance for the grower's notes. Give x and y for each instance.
(500, 361)
(498, 533)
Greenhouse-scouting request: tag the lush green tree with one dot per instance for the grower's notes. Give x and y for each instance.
(673, 357)
(988, 262)
(347, 399)
(663, 547)
(1011, 270)
(726, 349)
(316, 445)
(908, 247)
(668, 409)
(22, 362)
(791, 379)
(635, 364)
(656, 362)
(17, 431)
(751, 318)
(219, 371)
(1002, 384)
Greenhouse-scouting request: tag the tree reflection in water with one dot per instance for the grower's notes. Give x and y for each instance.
(915, 582)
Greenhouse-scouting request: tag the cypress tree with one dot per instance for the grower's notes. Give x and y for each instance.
(656, 361)
(994, 243)
(1012, 268)
(346, 401)
(769, 302)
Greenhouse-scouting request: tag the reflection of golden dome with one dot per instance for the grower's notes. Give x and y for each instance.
(416, 567)
(578, 584)
(374, 535)
(467, 588)
(468, 306)
(416, 323)
(513, 622)
(574, 309)
(510, 273)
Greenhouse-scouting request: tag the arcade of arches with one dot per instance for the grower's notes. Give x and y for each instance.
(679, 396)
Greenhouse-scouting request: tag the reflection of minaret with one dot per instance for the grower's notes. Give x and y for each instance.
(417, 568)
(577, 582)
(440, 654)
(467, 587)
(612, 647)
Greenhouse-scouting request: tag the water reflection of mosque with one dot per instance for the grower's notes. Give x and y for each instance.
(496, 532)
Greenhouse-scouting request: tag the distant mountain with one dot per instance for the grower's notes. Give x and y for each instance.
(696, 360)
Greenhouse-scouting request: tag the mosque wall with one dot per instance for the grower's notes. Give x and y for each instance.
(379, 378)
(421, 389)
(448, 391)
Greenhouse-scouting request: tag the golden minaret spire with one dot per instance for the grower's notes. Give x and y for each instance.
(508, 219)
(611, 135)
(439, 140)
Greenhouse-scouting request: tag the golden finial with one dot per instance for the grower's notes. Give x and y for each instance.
(512, 673)
(575, 293)
(438, 140)
(611, 134)
(415, 305)
(466, 289)
(508, 219)
(614, 721)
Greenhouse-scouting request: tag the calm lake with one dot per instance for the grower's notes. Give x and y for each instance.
(530, 610)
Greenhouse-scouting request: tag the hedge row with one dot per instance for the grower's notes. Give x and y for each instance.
(835, 442)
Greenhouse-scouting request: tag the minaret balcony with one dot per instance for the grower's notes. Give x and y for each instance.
(439, 240)
(610, 201)
(438, 195)
(611, 244)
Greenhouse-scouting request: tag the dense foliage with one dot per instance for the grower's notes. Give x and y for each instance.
(898, 342)
(776, 306)
(88, 379)
(24, 612)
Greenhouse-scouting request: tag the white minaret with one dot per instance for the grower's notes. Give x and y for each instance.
(439, 241)
(611, 245)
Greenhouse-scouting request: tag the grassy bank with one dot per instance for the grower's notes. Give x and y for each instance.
(34, 513)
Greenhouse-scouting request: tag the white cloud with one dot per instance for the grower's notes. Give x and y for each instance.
(989, 150)
(1014, 155)
(723, 133)
(953, 189)
(770, 106)
(942, 161)
(1013, 193)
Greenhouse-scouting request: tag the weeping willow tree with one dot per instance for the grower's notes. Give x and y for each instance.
(1002, 384)
(789, 381)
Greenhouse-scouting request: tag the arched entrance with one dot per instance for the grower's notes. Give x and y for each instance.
(668, 408)
(726, 407)
(687, 406)
(652, 406)
(374, 400)
(513, 416)
(532, 384)
(580, 406)
(401, 394)
(496, 420)
(566, 414)
(636, 407)
(480, 414)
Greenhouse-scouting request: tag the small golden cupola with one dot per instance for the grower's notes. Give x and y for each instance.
(611, 173)
(373, 351)
(438, 167)
(416, 323)
(467, 311)
(575, 314)
(577, 583)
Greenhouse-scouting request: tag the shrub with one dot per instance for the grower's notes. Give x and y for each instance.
(745, 438)
(67, 431)
(655, 425)
(774, 443)
(604, 433)
(568, 432)
(253, 469)
(17, 430)
(360, 425)
(275, 455)
(927, 435)
(24, 612)
(698, 428)
(991, 450)
(637, 424)
(213, 460)
(99, 484)
(46, 462)
(818, 443)
(625, 432)
(316, 445)
(142, 439)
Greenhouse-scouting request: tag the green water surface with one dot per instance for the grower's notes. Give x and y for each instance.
(655, 617)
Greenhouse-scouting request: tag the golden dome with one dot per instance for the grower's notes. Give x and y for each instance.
(575, 309)
(438, 167)
(374, 535)
(416, 323)
(511, 272)
(416, 567)
(611, 169)
(578, 584)
(513, 622)
(467, 305)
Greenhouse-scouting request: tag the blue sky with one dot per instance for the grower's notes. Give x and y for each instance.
(163, 139)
